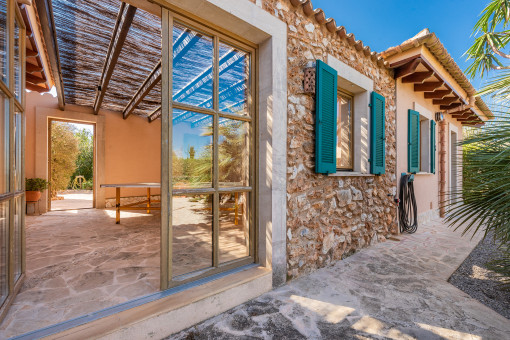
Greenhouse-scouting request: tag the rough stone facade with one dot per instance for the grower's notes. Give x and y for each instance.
(329, 218)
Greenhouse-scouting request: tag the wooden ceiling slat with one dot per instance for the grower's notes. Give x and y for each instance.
(445, 101)
(408, 68)
(35, 80)
(427, 87)
(417, 77)
(438, 94)
(154, 114)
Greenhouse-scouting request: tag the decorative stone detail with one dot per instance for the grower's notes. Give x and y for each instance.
(309, 83)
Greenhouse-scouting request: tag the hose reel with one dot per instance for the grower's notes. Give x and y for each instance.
(407, 208)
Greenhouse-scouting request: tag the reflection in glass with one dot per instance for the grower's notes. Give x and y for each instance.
(4, 144)
(17, 60)
(233, 80)
(3, 41)
(4, 244)
(234, 153)
(17, 149)
(192, 138)
(192, 67)
(344, 133)
(234, 226)
(17, 238)
(192, 233)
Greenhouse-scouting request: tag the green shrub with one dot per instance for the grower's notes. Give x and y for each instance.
(87, 185)
(36, 184)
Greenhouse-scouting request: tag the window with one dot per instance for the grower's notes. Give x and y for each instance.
(12, 120)
(344, 146)
(421, 143)
(212, 129)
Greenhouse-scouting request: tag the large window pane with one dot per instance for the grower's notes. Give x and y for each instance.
(233, 80)
(17, 60)
(234, 153)
(192, 67)
(18, 130)
(17, 238)
(234, 226)
(4, 144)
(3, 42)
(344, 133)
(4, 246)
(192, 221)
(192, 139)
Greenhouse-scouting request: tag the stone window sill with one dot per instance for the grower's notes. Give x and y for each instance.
(423, 173)
(350, 174)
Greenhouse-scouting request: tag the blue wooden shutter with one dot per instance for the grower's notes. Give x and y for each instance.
(433, 146)
(325, 118)
(377, 133)
(413, 149)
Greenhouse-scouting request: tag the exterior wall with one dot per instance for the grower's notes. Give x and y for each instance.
(329, 217)
(426, 185)
(131, 154)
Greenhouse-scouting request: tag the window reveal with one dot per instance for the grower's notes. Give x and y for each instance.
(344, 158)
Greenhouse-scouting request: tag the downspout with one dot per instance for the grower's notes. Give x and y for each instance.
(442, 166)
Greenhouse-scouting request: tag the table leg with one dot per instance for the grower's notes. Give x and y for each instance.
(235, 208)
(117, 205)
(148, 200)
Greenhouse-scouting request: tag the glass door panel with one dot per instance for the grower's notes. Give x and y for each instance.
(17, 236)
(4, 251)
(4, 146)
(210, 121)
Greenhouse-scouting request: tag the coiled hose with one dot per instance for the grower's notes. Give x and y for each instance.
(407, 209)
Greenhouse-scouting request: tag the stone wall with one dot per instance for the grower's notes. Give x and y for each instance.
(329, 218)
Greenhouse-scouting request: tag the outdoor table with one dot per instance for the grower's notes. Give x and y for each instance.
(133, 206)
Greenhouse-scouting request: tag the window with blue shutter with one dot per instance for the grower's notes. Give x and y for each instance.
(377, 135)
(413, 148)
(325, 118)
(433, 147)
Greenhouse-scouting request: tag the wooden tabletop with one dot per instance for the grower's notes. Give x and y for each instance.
(132, 185)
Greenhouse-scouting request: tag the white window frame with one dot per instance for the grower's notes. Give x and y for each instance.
(361, 87)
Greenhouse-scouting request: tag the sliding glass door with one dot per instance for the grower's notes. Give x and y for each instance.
(12, 139)
(208, 151)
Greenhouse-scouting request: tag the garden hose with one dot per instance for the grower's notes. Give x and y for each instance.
(407, 208)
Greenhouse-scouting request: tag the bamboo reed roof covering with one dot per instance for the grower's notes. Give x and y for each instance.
(84, 30)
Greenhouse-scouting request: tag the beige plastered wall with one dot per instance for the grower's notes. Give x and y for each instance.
(127, 151)
(426, 185)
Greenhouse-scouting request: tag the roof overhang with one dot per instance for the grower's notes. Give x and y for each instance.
(419, 67)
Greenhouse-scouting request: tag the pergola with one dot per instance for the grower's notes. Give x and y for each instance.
(107, 55)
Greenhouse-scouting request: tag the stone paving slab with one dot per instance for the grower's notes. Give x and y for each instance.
(392, 290)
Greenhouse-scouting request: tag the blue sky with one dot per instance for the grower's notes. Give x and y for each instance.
(382, 24)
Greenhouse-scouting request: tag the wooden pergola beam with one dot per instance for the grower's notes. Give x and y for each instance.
(122, 25)
(408, 68)
(453, 108)
(417, 77)
(47, 22)
(154, 114)
(152, 79)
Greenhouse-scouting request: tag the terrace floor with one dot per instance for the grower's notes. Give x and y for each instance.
(80, 261)
(392, 290)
